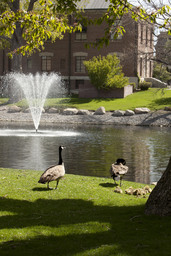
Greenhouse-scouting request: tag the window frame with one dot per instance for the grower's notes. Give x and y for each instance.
(79, 66)
(46, 63)
(80, 36)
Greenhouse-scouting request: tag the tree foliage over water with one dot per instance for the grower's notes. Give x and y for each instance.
(26, 25)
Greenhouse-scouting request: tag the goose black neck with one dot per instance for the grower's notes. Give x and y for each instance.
(60, 156)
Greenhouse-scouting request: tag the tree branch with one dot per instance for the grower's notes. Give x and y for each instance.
(31, 5)
(6, 38)
(160, 61)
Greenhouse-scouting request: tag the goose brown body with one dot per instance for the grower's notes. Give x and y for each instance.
(55, 172)
(118, 169)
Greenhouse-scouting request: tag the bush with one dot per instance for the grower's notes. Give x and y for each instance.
(145, 85)
(160, 72)
(106, 72)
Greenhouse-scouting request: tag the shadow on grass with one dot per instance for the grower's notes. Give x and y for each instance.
(163, 101)
(116, 229)
(108, 185)
(42, 189)
(87, 100)
(160, 102)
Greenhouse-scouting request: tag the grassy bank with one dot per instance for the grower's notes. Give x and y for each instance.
(153, 99)
(83, 217)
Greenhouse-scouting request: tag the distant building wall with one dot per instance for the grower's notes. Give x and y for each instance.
(66, 56)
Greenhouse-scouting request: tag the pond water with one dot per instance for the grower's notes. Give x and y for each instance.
(90, 150)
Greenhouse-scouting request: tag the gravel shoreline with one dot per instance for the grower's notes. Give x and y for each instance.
(160, 118)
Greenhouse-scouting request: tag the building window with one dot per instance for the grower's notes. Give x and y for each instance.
(150, 69)
(62, 63)
(80, 36)
(141, 66)
(151, 38)
(79, 66)
(78, 82)
(141, 35)
(29, 63)
(46, 63)
(146, 35)
(146, 66)
(113, 31)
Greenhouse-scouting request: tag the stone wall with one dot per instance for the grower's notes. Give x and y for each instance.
(92, 92)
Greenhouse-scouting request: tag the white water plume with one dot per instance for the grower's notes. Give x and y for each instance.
(35, 89)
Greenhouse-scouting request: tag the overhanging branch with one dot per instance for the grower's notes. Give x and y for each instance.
(31, 5)
(5, 38)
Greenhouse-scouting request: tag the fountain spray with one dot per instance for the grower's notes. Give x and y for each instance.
(36, 88)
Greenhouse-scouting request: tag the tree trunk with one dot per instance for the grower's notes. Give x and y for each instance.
(159, 202)
(16, 63)
(13, 89)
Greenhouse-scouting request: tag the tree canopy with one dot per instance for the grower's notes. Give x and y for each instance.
(25, 25)
(31, 23)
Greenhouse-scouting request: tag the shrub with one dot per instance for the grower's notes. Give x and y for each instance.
(145, 85)
(160, 72)
(106, 72)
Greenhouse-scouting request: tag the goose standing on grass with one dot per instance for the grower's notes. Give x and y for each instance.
(118, 169)
(55, 172)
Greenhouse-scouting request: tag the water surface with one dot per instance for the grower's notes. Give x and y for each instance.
(90, 150)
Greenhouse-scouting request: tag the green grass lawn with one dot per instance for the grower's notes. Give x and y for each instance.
(82, 217)
(154, 99)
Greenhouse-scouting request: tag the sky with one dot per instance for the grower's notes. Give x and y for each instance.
(137, 2)
(147, 6)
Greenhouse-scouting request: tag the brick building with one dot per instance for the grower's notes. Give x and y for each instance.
(66, 56)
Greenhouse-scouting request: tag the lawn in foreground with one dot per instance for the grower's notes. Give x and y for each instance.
(82, 217)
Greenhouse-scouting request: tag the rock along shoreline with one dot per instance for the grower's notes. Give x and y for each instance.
(160, 118)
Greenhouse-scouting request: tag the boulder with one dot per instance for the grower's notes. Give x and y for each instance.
(141, 110)
(118, 113)
(100, 111)
(70, 111)
(53, 110)
(27, 110)
(129, 112)
(83, 112)
(14, 109)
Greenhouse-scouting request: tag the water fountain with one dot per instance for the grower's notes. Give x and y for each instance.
(35, 89)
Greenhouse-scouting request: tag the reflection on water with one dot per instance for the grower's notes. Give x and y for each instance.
(90, 150)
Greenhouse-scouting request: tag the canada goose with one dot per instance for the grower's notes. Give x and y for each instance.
(120, 161)
(118, 169)
(55, 172)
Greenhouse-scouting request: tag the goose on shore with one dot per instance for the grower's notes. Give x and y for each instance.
(118, 169)
(55, 172)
